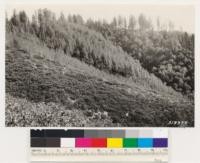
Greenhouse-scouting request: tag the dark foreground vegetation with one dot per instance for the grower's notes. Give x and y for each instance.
(64, 72)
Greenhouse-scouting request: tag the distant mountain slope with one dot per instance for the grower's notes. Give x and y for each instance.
(43, 76)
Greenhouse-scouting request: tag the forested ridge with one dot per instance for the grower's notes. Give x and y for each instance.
(116, 69)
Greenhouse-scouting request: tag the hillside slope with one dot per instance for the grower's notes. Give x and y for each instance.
(78, 41)
(168, 54)
(43, 85)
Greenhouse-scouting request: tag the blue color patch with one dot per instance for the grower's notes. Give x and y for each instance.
(145, 142)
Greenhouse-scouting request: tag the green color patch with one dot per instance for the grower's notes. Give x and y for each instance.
(130, 142)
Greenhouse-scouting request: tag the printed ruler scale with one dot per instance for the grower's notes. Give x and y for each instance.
(141, 146)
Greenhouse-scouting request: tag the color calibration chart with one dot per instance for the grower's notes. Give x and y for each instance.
(97, 145)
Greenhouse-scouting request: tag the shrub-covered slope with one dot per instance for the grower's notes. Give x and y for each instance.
(50, 83)
(168, 54)
(78, 41)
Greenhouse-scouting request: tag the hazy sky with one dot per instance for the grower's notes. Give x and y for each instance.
(181, 15)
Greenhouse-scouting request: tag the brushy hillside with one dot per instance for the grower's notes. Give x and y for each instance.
(167, 53)
(77, 41)
(39, 114)
(54, 85)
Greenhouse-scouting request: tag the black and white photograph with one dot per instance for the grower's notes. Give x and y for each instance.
(99, 65)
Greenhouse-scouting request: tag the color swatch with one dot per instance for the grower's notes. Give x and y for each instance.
(104, 145)
(145, 143)
(130, 142)
(98, 139)
(114, 143)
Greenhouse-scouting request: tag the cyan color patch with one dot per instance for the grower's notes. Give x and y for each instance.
(145, 142)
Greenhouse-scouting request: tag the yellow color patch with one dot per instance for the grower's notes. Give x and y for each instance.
(114, 142)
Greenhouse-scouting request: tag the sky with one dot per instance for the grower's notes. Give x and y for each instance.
(183, 16)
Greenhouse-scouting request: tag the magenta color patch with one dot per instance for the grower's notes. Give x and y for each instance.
(83, 142)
